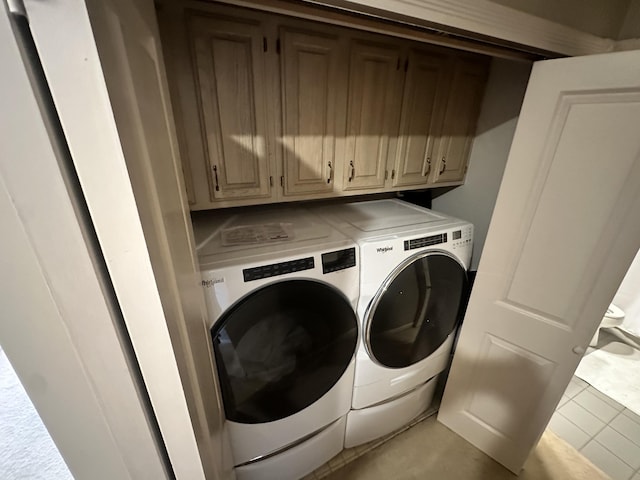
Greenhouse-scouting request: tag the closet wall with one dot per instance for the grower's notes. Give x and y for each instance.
(474, 201)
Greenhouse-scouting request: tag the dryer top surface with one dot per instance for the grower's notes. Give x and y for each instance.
(382, 218)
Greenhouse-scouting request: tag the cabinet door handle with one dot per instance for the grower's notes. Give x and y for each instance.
(428, 170)
(444, 165)
(215, 173)
(393, 174)
(353, 171)
(330, 173)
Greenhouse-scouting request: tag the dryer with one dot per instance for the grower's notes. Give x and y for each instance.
(281, 288)
(413, 264)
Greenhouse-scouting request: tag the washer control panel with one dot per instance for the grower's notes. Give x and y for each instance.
(338, 260)
(275, 269)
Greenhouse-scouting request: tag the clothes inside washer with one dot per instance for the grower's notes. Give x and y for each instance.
(282, 348)
(269, 361)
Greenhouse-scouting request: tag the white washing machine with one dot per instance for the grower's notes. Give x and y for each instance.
(413, 270)
(281, 288)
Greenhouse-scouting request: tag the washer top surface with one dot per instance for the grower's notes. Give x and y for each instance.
(263, 233)
(382, 218)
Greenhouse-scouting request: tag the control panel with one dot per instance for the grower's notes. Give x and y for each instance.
(338, 260)
(461, 237)
(425, 241)
(275, 269)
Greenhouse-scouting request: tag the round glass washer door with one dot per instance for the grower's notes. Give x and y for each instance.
(281, 348)
(416, 309)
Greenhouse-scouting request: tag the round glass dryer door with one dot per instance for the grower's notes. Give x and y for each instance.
(281, 348)
(416, 309)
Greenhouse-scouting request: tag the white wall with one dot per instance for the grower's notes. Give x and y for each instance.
(628, 298)
(474, 201)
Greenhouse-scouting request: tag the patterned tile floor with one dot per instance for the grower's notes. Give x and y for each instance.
(605, 432)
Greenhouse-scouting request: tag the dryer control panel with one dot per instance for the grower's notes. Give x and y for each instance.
(425, 241)
(462, 237)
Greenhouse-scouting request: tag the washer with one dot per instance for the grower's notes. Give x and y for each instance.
(281, 287)
(413, 270)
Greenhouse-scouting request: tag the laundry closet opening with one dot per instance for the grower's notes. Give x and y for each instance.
(239, 108)
(298, 130)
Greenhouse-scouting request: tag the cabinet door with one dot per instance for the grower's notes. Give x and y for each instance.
(372, 113)
(461, 117)
(310, 83)
(231, 83)
(422, 110)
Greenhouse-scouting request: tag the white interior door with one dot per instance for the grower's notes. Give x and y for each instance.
(564, 231)
(103, 63)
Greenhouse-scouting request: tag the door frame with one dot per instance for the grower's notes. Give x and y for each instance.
(188, 411)
(62, 328)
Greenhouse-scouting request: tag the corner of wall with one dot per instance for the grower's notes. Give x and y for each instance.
(474, 201)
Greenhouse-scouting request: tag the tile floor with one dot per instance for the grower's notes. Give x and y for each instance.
(604, 431)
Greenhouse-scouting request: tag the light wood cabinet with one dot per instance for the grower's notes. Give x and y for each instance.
(372, 118)
(230, 72)
(423, 103)
(459, 125)
(272, 108)
(310, 78)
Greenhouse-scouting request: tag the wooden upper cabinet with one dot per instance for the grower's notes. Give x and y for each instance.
(423, 103)
(372, 115)
(310, 79)
(461, 117)
(231, 83)
(329, 110)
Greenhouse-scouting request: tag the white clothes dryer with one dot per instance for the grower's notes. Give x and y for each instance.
(281, 287)
(413, 270)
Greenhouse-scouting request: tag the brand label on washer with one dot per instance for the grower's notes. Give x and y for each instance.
(212, 282)
(384, 249)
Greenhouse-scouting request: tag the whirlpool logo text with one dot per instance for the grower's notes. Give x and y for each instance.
(211, 283)
(384, 249)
